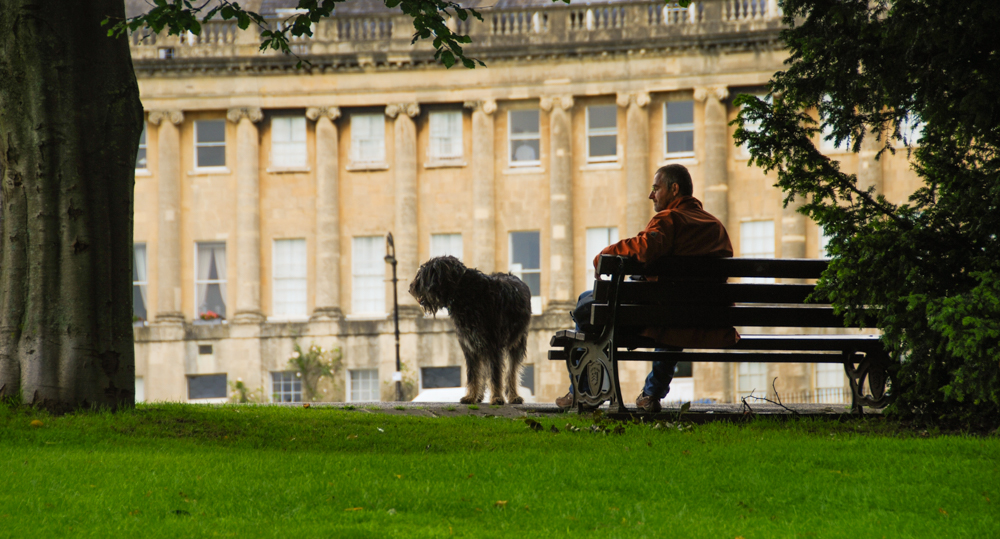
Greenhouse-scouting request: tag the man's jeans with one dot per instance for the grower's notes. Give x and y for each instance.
(657, 381)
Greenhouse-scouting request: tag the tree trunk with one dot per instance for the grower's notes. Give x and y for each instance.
(70, 120)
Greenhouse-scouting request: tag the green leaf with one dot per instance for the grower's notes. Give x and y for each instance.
(448, 59)
(391, 3)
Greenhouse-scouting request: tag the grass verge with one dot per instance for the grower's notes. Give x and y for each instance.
(194, 471)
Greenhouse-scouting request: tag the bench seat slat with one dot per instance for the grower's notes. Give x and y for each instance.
(718, 357)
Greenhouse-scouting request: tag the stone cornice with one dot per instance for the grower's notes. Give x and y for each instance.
(315, 113)
(254, 114)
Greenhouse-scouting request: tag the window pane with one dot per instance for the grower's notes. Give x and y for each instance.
(525, 150)
(680, 112)
(211, 156)
(368, 275)
(432, 377)
(603, 146)
(364, 385)
(598, 239)
(140, 158)
(286, 387)
(753, 378)
(288, 141)
(605, 116)
(528, 378)
(524, 122)
(446, 245)
(211, 386)
(534, 282)
(210, 278)
(757, 241)
(138, 303)
(210, 131)
(680, 141)
(367, 137)
(525, 249)
(446, 134)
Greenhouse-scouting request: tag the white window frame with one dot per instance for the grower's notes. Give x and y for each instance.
(449, 121)
(746, 250)
(597, 239)
(512, 138)
(753, 127)
(289, 247)
(354, 394)
(911, 130)
(751, 377)
(448, 244)
(366, 275)
(378, 123)
(292, 153)
(223, 282)
(601, 132)
(830, 383)
(294, 378)
(822, 240)
(830, 146)
(198, 145)
(675, 128)
(143, 275)
(519, 271)
(143, 147)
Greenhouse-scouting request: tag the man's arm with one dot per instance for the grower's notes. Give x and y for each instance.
(655, 241)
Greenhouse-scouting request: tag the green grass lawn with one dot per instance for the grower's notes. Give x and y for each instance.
(242, 471)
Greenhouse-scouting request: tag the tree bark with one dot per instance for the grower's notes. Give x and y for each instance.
(70, 120)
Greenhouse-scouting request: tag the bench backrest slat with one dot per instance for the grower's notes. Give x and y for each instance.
(701, 292)
(709, 268)
(694, 316)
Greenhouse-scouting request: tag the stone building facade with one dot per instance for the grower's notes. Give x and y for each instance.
(264, 192)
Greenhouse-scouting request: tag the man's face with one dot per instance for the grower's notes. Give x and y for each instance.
(662, 194)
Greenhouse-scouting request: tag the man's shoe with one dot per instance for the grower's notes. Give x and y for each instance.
(648, 404)
(567, 402)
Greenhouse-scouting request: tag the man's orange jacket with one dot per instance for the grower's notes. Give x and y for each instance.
(684, 228)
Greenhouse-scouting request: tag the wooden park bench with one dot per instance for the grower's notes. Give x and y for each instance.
(693, 293)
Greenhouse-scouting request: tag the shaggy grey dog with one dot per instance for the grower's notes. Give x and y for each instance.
(491, 315)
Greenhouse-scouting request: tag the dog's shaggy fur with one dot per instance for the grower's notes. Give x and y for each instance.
(491, 315)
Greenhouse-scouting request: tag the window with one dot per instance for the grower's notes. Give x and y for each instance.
(824, 241)
(288, 292)
(753, 126)
(432, 377)
(597, 240)
(210, 143)
(288, 141)
(830, 383)
(286, 386)
(446, 245)
(525, 145)
(683, 370)
(753, 377)
(139, 282)
(207, 388)
(140, 389)
(911, 129)
(367, 138)
(363, 385)
(528, 378)
(140, 158)
(525, 264)
(446, 134)
(678, 127)
(827, 143)
(602, 133)
(210, 280)
(368, 275)
(757, 241)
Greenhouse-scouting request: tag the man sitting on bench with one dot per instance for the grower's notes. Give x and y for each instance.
(681, 227)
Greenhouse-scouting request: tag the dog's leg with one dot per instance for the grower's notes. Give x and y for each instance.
(474, 375)
(515, 355)
(495, 359)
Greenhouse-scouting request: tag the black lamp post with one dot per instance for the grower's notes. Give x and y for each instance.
(390, 258)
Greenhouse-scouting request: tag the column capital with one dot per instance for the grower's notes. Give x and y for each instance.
(488, 106)
(547, 102)
(395, 109)
(718, 92)
(314, 113)
(254, 114)
(173, 116)
(641, 99)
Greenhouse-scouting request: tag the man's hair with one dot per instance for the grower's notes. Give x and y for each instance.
(677, 174)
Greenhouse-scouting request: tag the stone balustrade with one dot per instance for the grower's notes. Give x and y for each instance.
(591, 25)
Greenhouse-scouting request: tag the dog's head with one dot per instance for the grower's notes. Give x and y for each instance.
(434, 285)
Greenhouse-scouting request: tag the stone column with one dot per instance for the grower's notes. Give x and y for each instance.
(168, 245)
(870, 168)
(483, 186)
(247, 215)
(637, 177)
(717, 145)
(327, 305)
(561, 297)
(405, 175)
